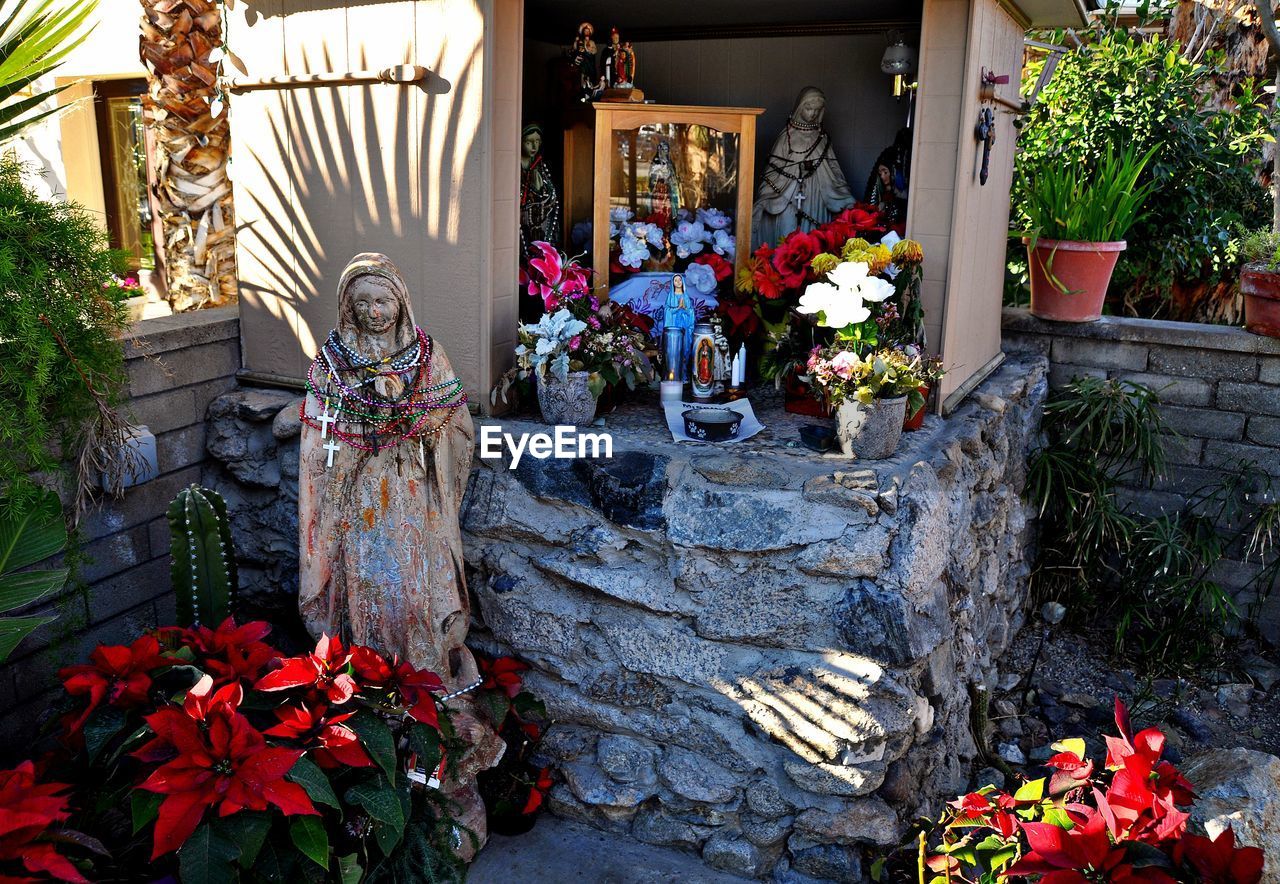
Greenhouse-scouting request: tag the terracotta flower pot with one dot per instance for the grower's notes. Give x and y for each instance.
(916, 421)
(1261, 290)
(870, 432)
(566, 402)
(1069, 279)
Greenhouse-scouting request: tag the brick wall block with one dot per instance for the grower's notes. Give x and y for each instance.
(1203, 423)
(129, 589)
(118, 552)
(1175, 390)
(139, 505)
(1182, 449)
(1229, 456)
(1249, 398)
(1192, 362)
(1101, 354)
(1060, 374)
(1264, 431)
(163, 412)
(1269, 369)
(180, 368)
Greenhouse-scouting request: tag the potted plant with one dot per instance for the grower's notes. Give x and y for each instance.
(871, 396)
(930, 371)
(515, 789)
(1260, 282)
(579, 347)
(1078, 217)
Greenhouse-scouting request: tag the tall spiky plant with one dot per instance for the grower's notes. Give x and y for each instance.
(204, 563)
(182, 48)
(35, 37)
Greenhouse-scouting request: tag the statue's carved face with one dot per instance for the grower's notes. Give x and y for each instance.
(810, 110)
(531, 145)
(375, 303)
(886, 174)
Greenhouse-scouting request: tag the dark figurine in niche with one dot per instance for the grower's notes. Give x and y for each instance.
(582, 55)
(890, 179)
(626, 66)
(609, 60)
(539, 202)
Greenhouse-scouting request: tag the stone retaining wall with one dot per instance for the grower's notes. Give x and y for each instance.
(1220, 388)
(751, 651)
(176, 366)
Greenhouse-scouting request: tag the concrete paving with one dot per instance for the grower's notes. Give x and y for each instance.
(557, 851)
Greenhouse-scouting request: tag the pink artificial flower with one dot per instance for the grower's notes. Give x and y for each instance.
(843, 364)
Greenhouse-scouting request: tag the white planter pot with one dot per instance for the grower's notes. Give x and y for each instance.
(870, 432)
(567, 402)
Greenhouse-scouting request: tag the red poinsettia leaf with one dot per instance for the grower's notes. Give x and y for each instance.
(534, 802)
(44, 858)
(294, 672)
(1122, 720)
(179, 815)
(290, 798)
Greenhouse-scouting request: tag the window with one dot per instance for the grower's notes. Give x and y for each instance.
(125, 150)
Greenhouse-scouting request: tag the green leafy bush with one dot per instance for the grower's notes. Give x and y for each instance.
(1071, 202)
(1149, 575)
(1124, 91)
(61, 365)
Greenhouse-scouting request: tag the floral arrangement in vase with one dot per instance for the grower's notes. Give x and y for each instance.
(578, 340)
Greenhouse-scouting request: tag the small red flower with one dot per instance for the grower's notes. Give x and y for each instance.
(221, 760)
(538, 791)
(501, 673)
(334, 743)
(791, 259)
(723, 269)
(1220, 861)
(228, 652)
(28, 810)
(324, 670)
(118, 675)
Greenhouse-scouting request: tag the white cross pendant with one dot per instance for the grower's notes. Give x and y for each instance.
(331, 446)
(799, 197)
(324, 421)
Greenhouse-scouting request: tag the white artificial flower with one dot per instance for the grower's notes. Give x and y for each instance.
(852, 278)
(841, 308)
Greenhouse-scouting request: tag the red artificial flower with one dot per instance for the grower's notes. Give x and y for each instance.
(723, 269)
(220, 760)
(501, 673)
(27, 811)
(791, 259)
(323, 670)
(863, 219)
(538, 791)
(629, 318)
(117, 674)
(550, 276)
(741, 320)
(334, 743)
(835, 234)
(1220, 861)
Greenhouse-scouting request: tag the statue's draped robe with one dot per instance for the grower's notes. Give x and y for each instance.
(381, 552)
(826, 192)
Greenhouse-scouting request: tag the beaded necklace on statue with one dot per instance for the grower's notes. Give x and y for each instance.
(355, 414)
(805, 166)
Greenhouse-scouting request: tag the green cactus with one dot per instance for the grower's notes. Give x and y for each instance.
(204, 563)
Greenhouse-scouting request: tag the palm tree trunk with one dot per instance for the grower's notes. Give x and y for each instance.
(193, 192)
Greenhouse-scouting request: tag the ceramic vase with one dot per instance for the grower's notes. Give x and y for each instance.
(870, 432)
(567, 402)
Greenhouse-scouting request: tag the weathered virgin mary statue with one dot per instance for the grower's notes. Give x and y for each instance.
(386, 450)
(802, 186)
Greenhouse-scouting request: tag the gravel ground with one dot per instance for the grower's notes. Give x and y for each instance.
(1072, 692)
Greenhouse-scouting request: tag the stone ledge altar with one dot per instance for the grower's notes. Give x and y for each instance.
(749, 650)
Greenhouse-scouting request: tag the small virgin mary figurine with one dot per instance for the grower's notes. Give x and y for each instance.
(386, 452)
(802, 186)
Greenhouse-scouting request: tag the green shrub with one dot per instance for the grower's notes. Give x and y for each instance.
(1149, 575)
(61, 365)
(1134, 92)
(1070, 202)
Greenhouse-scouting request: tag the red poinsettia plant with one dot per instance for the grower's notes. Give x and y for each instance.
(34, 839)
(516, 788)
(1125, 820)
(234, 760)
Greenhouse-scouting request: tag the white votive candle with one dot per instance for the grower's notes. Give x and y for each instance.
(672, 391)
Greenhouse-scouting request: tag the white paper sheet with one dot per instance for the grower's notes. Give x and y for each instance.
(675, 420)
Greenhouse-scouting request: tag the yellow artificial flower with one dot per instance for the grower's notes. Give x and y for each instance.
(824, 263)
(745, 281)
(908, 251)
(878, 259)
(854, 247)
